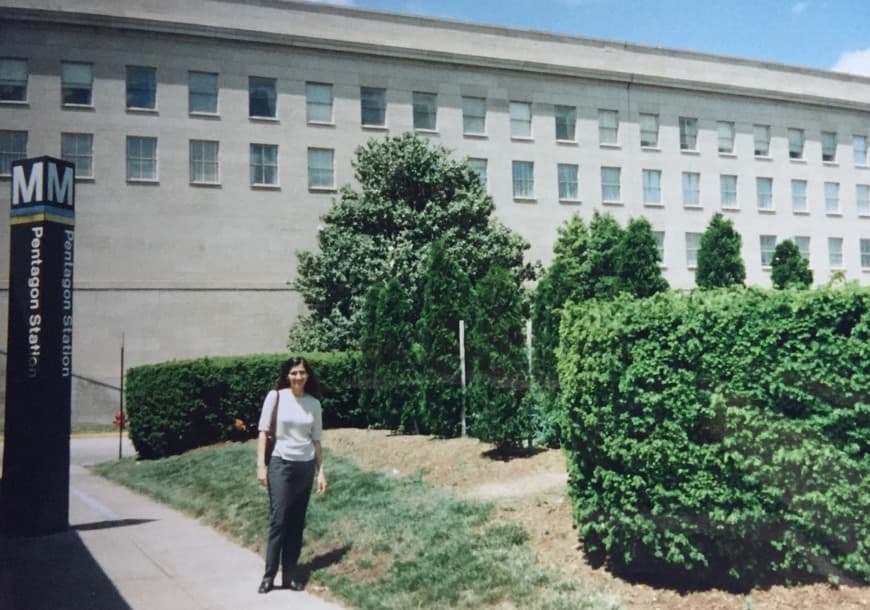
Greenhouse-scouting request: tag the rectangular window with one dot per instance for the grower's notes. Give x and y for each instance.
(688, 133)
(728, 191)
(521, 119)
(835, 252)
(373, 107)
(693, 244)
(264, 165)
(795, 143)
(726, 137)
(318, 103)
(799, 196)
(803, 244)
(649, 130)
(568, 182)
(608, 127)
(691, 189)
(859, 150)
(13, 80)
(202, 92)
(862, 199)
(425, 111)
(832, 197)
(77, 84)
(78, 148)
(473, 115)
(204, 168)
(659, 237)
(321, 168)
(761, 138)
(768, 245)
(829, 146)
(566, 123)
(262, 97)
(478, 166)
(524, 179)
(141, 88)
(652, 187)
(13, 146)
(141, 158)
(611, 184)
(865, 254)
(764, 193)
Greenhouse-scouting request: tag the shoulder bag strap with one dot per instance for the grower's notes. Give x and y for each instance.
(273, 422)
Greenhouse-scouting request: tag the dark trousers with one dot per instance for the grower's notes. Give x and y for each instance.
(289, 489)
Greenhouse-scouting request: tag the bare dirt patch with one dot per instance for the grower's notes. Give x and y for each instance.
(531, 491)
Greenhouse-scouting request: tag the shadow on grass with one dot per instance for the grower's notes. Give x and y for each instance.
(319, 562)
(506, 454)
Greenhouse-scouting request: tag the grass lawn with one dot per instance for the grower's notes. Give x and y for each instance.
(375, 541)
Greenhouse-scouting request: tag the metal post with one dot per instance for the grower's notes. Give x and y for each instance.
(121, 404)
(462, 369)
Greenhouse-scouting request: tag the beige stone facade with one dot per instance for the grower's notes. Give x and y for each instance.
(189, 261)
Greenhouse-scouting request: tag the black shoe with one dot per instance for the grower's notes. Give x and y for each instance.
(266, 585)
(294, 585)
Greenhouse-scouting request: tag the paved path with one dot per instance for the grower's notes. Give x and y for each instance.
(125, 551)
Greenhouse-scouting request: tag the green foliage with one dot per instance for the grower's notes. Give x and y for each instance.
(637, 260)
(411, 193)
(719, 261)
(605, 241)
(179, 405)
(722, 435)
(499, 377)
(392, 542)
(390, 372)
(446, 301)
(789, 269)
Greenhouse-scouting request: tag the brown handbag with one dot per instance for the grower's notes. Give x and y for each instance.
(273, 424)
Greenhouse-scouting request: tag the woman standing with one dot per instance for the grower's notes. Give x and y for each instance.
(296, 456)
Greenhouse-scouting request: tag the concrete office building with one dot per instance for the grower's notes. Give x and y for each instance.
(210, 136)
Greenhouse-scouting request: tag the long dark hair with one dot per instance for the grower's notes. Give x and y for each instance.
(312, 386)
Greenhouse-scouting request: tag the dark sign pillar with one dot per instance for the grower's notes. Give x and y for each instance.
(35, 493)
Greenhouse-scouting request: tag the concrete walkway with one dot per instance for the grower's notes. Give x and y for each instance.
(125, 551)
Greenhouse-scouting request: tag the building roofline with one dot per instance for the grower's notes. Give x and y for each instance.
(738, 78)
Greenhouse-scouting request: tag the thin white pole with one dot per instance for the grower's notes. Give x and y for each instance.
(529, 345)
(462, 369)
(121, 405)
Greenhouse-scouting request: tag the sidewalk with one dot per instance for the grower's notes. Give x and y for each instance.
(125, 551)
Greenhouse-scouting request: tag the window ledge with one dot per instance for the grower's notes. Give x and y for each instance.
(143, 181)
(428, 132)
(78, 107)
(522, 139)
(831, 163)
(653, 204)
(654, 149)
(204, 115)
(264, 119)
(566, 142)
(571, 201)
(85, 179)
(14, 103)
(142, 110)
(479, 136)
(862, 166)
(730, 208)
(693, 152)
(525, 199)
(609, 145)
(322, 189)
(613, 203)
(863, 214)
(205, 184)
(833, 213)
(692, 206)
(375, 127)
(798, 160)
(801, 212)
(266, 187)
(763, 158)
(767, 210)
(727, 155)
(321, 123)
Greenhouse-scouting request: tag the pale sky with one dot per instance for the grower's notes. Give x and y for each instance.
(826, 34)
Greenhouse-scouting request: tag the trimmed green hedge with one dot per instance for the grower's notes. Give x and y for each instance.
(721, 437)
(179, 405)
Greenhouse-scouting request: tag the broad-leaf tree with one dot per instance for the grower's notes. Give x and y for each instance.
(408, 194)
(789, 268)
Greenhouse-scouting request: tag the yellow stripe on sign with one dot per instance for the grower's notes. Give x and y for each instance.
(21, 220)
